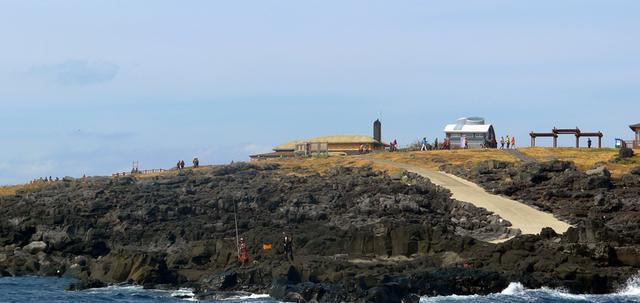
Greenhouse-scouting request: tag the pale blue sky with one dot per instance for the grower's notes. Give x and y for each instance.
(89, 86)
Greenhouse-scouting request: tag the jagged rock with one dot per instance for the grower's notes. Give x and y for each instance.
(625, 153)
(599, 171)
(357, 233)
(35, 247)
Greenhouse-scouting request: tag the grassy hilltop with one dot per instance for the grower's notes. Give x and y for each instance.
(583, 158)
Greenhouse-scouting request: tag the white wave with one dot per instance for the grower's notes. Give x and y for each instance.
(111, 288)
(562, 294)
(249, 297)
(448, 298)
(185, 294)
(514, 289)
(631, 288)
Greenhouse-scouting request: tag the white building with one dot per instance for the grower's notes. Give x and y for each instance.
(474, 130)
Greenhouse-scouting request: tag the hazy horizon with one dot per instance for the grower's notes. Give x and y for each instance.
(89, 87)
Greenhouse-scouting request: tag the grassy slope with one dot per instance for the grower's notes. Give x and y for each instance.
(584, 159)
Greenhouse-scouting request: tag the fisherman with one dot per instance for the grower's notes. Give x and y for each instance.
(513, 142)
(589, 143)
(288, 247)
(424, 144)
(508, 141)
(244, 253)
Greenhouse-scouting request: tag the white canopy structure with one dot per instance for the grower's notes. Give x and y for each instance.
(473, 130)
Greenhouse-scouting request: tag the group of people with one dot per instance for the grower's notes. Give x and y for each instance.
(287, 249)
(363, 149)
(181, 165)
(509, 142)
(393, 146)
(426, 146)
(44, 180)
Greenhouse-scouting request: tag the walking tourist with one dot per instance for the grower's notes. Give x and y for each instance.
(196, 162)
(502, 142)
(288, 247)
(513, 142)
(424, 144)
(589, 143)
(508, 141)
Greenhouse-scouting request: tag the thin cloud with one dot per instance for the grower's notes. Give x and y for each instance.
(77, 72)
(107, 136)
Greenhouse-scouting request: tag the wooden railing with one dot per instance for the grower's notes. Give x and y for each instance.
(632, 144)
(140, 172)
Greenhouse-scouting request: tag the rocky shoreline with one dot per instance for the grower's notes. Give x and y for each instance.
(359, 235)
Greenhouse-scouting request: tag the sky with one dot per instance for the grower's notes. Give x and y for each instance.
(87, 87)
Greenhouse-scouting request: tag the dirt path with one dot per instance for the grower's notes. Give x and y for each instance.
(516, 153)
(528, 219)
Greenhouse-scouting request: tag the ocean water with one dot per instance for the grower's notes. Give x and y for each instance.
(52, 290)
(516, 293)
(34, 289)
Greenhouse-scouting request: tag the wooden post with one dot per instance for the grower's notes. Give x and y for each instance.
(599, 141)
(555, 141)
(577, 141)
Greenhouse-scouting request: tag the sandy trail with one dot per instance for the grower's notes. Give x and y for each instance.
(528, 219)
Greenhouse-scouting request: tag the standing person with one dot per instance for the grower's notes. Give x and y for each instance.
(182, 164)
(589, 143)
(244, 253)
(508, 142)
(513, 142)
(196, 162)
(435, 144)
(502, 142)
(178, 165)
(288, 247)
(424, 144)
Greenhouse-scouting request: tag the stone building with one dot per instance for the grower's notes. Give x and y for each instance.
(477, 133)
(328, 145)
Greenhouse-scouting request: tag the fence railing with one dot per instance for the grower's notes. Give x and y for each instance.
(139, 172)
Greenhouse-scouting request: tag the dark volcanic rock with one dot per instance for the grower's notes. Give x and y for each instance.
(359, 235)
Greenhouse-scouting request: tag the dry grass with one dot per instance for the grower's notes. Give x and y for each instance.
(434, 159)
(584, 158)
(321, 164)
(11, 190)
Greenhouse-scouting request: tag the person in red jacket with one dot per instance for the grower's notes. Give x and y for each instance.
(244, 253)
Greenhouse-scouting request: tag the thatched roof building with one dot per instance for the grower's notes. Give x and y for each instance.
(334, 144)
